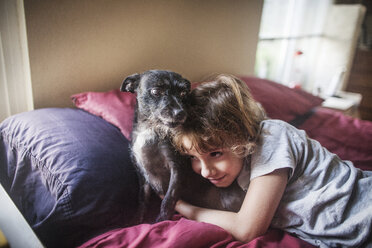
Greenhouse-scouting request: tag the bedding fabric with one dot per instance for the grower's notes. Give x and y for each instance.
(69, 173)
(279, 101)
(184, 233)
(349, 138)
(114, 106)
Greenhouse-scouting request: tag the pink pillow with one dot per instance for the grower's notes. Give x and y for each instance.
(279, 101)
(114, 106)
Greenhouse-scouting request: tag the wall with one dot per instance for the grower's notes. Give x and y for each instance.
(92, 45)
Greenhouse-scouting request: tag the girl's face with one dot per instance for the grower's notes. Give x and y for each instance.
(219, 166)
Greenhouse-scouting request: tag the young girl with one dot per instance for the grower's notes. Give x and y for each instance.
(291, 181)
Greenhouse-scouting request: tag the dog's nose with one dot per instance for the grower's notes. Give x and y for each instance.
(179, 114)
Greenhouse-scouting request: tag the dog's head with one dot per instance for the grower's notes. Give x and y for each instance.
(161, 96)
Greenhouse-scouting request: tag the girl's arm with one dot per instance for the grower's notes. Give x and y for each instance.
(254, 217)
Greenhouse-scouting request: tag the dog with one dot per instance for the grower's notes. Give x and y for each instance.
(161, 107)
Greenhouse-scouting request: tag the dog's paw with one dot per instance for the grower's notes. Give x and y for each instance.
(162, 217)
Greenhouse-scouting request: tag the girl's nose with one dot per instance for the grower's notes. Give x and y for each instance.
(207, 170)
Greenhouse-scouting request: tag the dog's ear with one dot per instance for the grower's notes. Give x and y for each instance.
(130, 84)
(188, 84)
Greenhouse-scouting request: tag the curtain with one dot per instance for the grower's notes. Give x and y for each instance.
(15, 79)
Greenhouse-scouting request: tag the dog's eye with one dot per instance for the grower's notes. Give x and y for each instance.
(183, 94)
(156, 92)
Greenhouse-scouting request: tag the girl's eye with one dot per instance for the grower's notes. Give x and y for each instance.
(193, 157)
(215, 154)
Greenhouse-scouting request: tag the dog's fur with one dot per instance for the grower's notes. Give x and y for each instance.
(161, 106)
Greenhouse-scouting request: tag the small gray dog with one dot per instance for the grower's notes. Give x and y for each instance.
(161, 107)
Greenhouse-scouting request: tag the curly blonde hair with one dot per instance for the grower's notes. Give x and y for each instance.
(222, 114)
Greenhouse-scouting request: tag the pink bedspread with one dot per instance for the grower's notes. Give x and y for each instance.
(349, 138)
(184, 233)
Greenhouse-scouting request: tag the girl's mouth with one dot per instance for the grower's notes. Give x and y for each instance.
(216, 180)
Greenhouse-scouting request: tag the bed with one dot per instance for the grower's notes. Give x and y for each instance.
(69, 173)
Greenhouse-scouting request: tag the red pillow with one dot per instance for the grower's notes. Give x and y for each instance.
(114, 106)
(279, 101)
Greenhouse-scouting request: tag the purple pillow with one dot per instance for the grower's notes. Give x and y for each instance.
(69, 172)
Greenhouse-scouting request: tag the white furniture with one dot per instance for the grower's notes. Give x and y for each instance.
(346, 102)
(14, 226)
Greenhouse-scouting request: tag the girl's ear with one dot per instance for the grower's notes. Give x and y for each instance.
(131, 83)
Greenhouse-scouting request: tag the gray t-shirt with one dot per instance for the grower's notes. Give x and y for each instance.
(327, 201)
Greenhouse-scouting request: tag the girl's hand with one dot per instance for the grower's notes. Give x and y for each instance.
(254, 217)
(186, 209)
(182, 207)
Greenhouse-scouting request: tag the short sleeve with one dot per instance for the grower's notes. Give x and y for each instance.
(279, 146)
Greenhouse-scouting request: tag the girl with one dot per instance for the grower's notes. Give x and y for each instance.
(291, 181)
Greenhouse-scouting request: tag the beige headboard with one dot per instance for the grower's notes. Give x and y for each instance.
(91, 45)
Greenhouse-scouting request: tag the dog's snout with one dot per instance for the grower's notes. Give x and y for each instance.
(179, 114)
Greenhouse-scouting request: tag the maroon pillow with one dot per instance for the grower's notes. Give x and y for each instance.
(114, 106)
(279, 101)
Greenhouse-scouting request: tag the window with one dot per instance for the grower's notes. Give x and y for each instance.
(307, 43)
